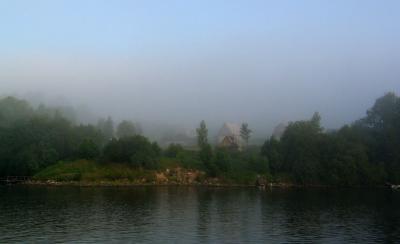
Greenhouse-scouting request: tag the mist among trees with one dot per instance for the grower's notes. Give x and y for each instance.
(360, 154)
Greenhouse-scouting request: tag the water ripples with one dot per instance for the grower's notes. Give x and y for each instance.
(193, 215)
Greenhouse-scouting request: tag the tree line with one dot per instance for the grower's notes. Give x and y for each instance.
(363, 153)
(33, 138)
(367, 152)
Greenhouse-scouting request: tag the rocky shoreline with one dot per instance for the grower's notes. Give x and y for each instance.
(126, 183)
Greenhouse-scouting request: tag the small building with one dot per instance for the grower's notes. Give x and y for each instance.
(229, 136)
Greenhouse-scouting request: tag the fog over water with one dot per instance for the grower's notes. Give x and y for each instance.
(177, 63)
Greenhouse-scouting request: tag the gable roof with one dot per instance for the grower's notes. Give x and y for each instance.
(229, 129)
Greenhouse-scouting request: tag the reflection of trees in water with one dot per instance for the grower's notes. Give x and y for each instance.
(227, 214)
(205, 200)
(335, 215)
(175, 216)
(73, 213)
(190, 214)
(129, 211)
(388, 221)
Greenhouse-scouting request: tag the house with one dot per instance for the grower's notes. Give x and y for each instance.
(229, 136)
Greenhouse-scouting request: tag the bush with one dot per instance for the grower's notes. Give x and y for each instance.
(136, 151)
(222, 160)
(88, 149)
(173, 150)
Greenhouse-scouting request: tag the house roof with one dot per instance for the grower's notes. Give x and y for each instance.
(229, 129)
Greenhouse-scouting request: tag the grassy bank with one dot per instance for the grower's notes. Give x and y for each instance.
(86, 172)
(91, 171)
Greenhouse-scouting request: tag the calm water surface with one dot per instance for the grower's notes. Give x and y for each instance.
(197, 215)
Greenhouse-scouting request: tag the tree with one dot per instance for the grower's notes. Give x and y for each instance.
(88, 132)
(206, 157)
(259, 164)
(135, 150)
(245, 133)
(202, 134)
(271, 150)
(382, 125)
(138, 129)
(12, 110)
(222, 160)
(125, 129)
(315, 122)
(173, 150)
(205, 153)
(88, 149)
(300, 149)
(156, 149)
(106, 127)
(385, 113)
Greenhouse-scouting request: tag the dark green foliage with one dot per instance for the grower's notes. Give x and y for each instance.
(299, 148)
(88, 132)
(272, 150)
(383, 127)
(156, 149)
(173, 150)
(34, 144)
(365, 153)
(245, 133)
(259, 164)
(136, 151)
(206, 155)
(125, 129)
(202, 134)
(190, 159)
(88, 150)
(222, 160)
(31, 140)
(13, 110)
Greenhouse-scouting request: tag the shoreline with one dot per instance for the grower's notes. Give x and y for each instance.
(124, 184)
(210, 185)
(213, 185)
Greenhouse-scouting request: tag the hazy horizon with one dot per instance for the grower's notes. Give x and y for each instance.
(261, 62)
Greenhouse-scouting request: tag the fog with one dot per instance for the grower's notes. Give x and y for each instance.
(176, 64)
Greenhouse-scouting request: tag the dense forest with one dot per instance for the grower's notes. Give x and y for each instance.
(364, 153)
(361, 154)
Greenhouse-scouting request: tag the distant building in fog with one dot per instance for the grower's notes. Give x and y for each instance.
(229, 136)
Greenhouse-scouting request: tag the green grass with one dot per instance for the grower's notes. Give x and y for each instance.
(166, 162)
(90, 171)
(243, 177)
(184, 160)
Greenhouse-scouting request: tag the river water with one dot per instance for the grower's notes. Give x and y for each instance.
(197, 215)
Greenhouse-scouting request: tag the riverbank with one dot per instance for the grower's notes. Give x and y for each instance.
(91, 173)
(123, 183)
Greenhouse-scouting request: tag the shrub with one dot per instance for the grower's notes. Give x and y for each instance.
(136, 151)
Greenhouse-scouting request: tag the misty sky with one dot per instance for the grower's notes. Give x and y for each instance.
(182, 61)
